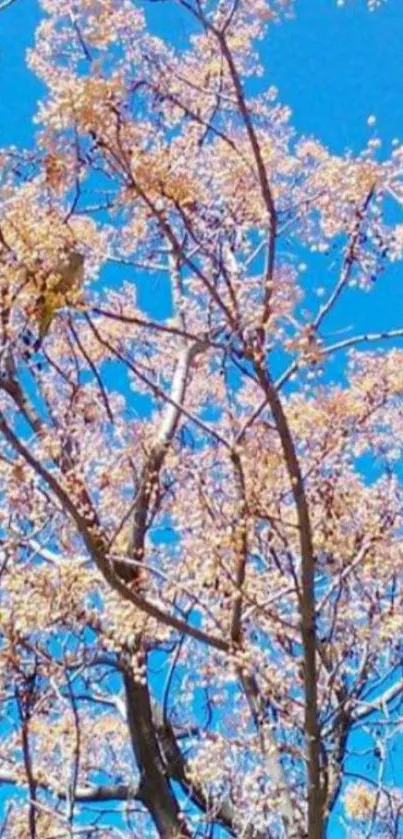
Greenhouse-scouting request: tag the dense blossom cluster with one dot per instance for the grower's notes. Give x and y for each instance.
(200, 532)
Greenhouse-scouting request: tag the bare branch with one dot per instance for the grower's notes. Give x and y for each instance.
(6, 4)
(306, 595)
(88, 794)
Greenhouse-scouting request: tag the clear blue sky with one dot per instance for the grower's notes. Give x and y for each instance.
(333, 66)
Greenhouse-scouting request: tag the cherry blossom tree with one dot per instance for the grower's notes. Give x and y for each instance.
(201, 591)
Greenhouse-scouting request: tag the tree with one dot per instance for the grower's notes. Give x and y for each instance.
(201, 586)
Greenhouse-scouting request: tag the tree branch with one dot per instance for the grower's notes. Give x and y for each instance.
(88, 794)
(90, 530)
(156, 792)
(221, 811)
(306, 596)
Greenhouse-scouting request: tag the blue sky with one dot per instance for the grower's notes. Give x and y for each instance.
(333, 66)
